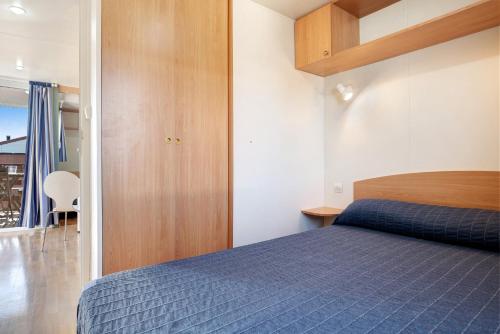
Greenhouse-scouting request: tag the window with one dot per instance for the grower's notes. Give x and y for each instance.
(14, 118)
(13, 129)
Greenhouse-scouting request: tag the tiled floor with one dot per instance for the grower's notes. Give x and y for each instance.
(39, 291)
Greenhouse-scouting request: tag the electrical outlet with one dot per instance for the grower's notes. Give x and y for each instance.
(338, 188)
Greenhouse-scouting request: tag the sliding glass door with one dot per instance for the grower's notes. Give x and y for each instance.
(13, 125)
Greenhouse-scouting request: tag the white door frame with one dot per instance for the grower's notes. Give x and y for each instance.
(90, 145)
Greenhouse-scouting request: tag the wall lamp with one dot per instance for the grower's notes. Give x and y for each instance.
(19, 64)
(346, 92)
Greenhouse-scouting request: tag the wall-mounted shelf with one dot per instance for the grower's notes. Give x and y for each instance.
(324, 212)
(479, 16)
(70, 110)
(68, 90)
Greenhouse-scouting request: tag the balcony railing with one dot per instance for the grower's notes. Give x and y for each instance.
(11, 189)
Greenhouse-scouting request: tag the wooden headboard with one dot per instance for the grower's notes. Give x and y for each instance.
(456, 189)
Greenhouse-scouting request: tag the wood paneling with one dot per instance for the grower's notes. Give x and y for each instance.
(456, 189)
(164, 75)
(482, 15)
(361, 8)
(313, 36)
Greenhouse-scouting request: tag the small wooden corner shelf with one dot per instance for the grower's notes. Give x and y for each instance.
(479, 16)
(325, 212)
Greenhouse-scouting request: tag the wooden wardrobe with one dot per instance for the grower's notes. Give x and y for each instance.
(165, 130)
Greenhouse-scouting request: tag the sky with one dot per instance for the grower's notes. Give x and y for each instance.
(13, 121)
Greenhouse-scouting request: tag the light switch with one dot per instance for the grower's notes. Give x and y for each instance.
(338, 188)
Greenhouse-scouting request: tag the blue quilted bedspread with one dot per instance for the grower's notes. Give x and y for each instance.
(339, 279)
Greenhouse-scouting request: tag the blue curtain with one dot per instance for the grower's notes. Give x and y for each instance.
(39, 156)
(62, 139)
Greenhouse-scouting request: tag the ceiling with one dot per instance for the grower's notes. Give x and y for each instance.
(293, 8)
(13, 97)
(46, 39)
(53, 21)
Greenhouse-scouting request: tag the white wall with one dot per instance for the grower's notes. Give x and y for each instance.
(71, 121)
(278, 129)
(434, 109)
(72, 164)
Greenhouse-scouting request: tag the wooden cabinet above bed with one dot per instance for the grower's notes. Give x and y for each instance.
(327, 39)
(322, 33)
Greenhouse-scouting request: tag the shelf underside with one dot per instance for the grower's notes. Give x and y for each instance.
(361, 8)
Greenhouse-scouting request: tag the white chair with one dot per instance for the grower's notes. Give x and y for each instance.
(63, 188)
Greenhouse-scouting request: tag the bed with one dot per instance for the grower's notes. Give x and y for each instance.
(385, 266)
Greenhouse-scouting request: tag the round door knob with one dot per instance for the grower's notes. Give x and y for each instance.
(326, 53)
(177, 140)
(168, 140)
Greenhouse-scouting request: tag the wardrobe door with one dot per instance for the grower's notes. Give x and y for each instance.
(165, 74)
(138, 115)
(202, 94)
